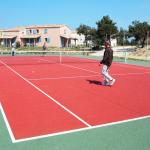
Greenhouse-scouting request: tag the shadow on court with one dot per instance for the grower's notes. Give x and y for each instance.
(95, 82)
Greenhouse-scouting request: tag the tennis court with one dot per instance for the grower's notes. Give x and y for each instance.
(45, 97)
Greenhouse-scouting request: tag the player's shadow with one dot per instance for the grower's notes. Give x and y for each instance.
(95, 82)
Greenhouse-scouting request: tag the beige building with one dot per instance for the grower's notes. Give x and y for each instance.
(7, 37)
(54, 35)
(77, 39)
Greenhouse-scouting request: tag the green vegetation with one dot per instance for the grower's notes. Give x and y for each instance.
(136, 34)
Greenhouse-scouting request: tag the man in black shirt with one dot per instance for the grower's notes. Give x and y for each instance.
(107, 61)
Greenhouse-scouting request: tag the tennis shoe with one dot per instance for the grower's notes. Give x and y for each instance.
(105, 83)
(112, 82)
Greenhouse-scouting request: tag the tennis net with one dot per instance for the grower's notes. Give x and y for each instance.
(65, 56)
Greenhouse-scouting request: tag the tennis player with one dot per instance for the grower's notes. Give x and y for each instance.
(107, 61)
(13, 50)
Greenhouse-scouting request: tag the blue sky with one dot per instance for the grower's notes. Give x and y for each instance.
(72, 13)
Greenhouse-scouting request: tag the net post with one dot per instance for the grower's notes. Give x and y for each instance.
(125, 60)
(60, 57)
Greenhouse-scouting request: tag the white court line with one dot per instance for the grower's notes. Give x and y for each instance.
(64, 132)
(97, 73)
(74, 77)
(132, 66)
(81, 129)
(124, 65)
(71, 66)
(126, 74)
(119, 74)
(51, 98)
(60, 133)
(7, 124)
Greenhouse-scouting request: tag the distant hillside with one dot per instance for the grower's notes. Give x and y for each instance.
(141, 53)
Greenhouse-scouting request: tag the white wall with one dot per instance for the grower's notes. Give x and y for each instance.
(113, 42)
(79, 39)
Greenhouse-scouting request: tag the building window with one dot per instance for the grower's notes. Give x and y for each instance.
(47, 40)
(40, 40)
(45, 31)
(34, 31)
(28, 32)
(64, 31)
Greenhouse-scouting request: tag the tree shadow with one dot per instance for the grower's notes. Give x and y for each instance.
(95, 82)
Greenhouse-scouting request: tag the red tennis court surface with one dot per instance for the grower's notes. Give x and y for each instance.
(40, 98)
